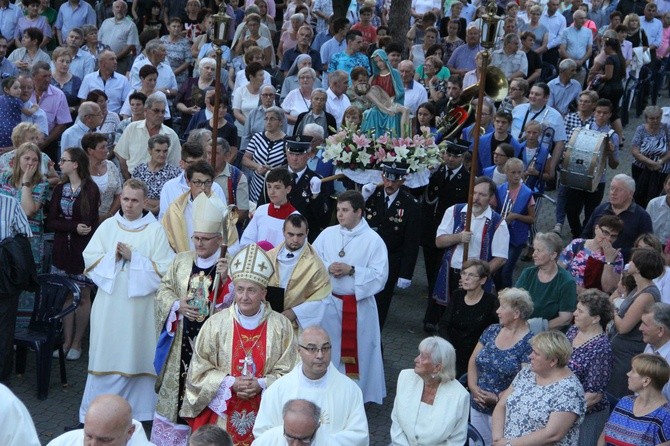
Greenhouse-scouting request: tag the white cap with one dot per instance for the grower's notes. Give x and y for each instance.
(252, 264)
(208, 214)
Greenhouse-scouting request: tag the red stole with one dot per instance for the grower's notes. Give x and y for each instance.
(349, 334)
(280, 212)
(241, 414)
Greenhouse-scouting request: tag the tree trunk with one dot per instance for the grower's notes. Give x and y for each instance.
(399, 22)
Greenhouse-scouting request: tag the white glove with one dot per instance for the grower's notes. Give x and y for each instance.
(368, 190)
(403, 283)
(315, 185)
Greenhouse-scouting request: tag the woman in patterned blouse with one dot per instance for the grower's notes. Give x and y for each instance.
(156, 172)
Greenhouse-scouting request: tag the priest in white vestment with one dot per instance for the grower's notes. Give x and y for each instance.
(357, 261)
(16, 426)
(301, 425)
(316, 379)
(126, 258)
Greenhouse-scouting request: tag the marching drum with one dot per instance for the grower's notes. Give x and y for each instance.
(584, 159)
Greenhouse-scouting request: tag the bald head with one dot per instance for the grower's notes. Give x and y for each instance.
(314, 330)
(301, 420)
(109, 421)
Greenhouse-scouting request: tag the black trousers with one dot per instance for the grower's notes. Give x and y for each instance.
(578, 200)
(9, 304)
(434, 311)
(385, 296)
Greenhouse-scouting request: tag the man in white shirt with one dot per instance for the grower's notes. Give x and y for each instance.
(337, 101)
(115, 85)
(120, 34)
(659, 210)
(415, 93)
(317, 380)
(301, 424)
(655, 328)
(154, 54)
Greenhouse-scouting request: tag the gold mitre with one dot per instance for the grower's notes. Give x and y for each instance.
(252, 264)
(208, 214)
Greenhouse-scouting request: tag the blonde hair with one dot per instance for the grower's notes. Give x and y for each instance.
(17, 174)
(553, 344)
(20, 132)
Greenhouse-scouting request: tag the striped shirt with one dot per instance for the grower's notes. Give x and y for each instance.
(12, 218)
(266, 153)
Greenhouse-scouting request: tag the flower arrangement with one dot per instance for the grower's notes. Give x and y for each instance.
(350, 149)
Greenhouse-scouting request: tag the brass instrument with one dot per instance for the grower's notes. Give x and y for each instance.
(496, 88)
(506, 207)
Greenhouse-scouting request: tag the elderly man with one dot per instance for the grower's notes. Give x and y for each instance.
(73, 14)
(115, 85)
(89, 118)
(317, 380)
(462, 59)
(39, 118)
(394, 214)
(659, 211)
(231, 179)
(555, 24)
(537, 110)
(126, 259)
(510, 59)
(305, 35)
(655, 328)
(131, 149)
(120, 34)
(300, 280)
(301, 425)
(337, 102)
(564, 89)
(636, 221)
(52, 100)
(577, 44)
(357, 261)
(415, 94)
(154, 54)
(83, 62)
(239, 353)
(109, 421)
(352, 56)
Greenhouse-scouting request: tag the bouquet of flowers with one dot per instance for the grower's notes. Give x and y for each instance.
(350, 149)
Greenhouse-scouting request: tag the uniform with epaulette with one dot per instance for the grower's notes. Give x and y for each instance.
(395, 218)
(448, 185)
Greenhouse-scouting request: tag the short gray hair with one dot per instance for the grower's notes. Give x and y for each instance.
(278, 112)
(519, 299)
(197, 136)
(313, 129)
(320, 91)
(206, 60)
(154, 98)
(551, 241)
(264, 87)
(566, 64)
(309, 70)
(443, 353)
(661, 313)
(337, 75)
(153, 45)
(626, 180)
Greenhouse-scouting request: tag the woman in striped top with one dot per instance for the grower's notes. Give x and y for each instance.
(266, 150)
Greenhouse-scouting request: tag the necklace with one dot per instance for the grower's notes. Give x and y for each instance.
(247, 365)
(344, 245)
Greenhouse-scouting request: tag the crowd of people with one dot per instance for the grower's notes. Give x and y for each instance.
(246, 292)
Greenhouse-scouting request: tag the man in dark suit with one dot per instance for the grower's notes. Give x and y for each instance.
(394, 214)
(306, 195)
(448, 185)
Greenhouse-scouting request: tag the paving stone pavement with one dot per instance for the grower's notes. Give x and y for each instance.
(400, 339)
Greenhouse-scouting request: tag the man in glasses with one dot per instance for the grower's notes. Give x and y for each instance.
(318, 381)
(131, 149)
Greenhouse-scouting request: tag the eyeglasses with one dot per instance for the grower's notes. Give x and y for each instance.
(268, 95)
(303, 440)
(199, 183)
(271, 118)
(158, 111)
(197, 239)
(470, 275)
(607, 233)
(63, 160)
(312, 349)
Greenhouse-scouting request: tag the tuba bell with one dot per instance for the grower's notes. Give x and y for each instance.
(496, 88)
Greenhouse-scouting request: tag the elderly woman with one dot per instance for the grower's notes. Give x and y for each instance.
(25, 182)
(553, 289)
(317, 114)
(435, 87)
(148, 77)
(591, 360)
(652, 156)
(298, 101)
(256, 120)
(545, 402)
(418, 52)
(498, 356)
(594, 263)
(539, 30)
(265, 150)
(62, 78)
(156, 172)
(289, 38)
(178, 50)
(437, 51)
(469, 312)
(642, 419)
(291, 80)
(191, 96)
(645, 265)
(245, 99)
(518, 91)
(251, 32)
(104, 173)
(430, 404)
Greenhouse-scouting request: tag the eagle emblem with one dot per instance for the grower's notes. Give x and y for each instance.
(243, 421)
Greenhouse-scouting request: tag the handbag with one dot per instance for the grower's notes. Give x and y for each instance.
(646, 53)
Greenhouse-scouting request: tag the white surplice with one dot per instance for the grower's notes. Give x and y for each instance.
(343, 418)
(123, 337)
(365, 250)
(16, 426)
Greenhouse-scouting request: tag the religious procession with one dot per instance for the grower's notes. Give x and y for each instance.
(329, 222)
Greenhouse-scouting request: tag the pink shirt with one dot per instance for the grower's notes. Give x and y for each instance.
(662, 51)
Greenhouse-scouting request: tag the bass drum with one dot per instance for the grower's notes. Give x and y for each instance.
(584, 159)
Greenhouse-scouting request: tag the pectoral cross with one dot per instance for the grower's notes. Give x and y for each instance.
(247, 365)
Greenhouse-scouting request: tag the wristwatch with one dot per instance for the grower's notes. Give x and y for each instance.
(352, 271)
